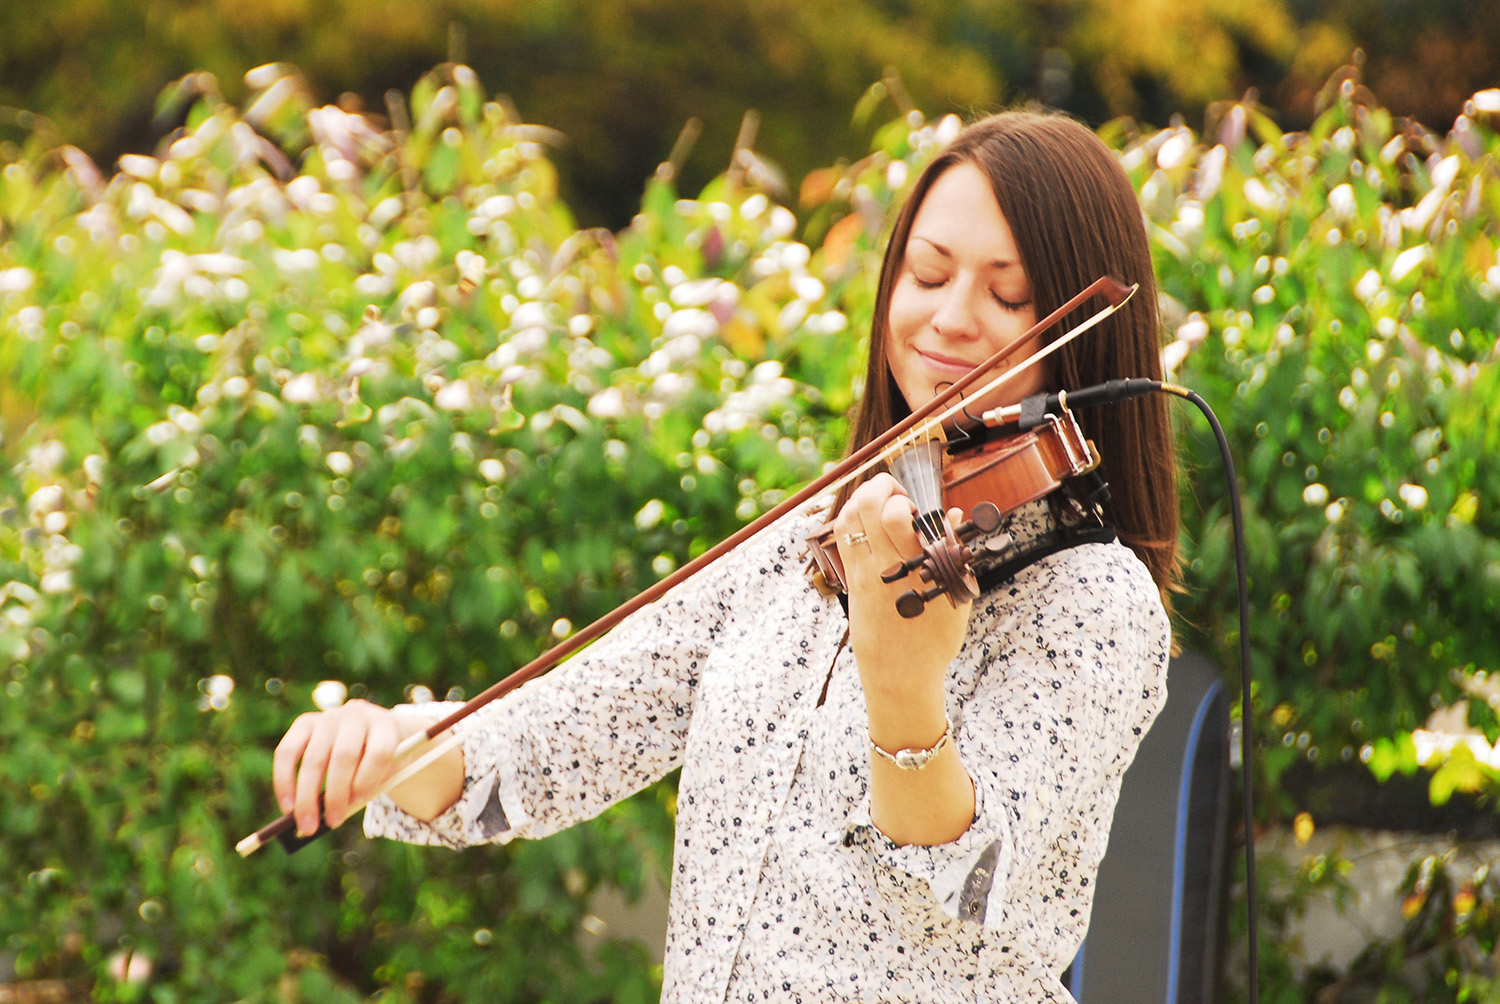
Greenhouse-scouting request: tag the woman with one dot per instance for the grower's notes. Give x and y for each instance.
(871, 808)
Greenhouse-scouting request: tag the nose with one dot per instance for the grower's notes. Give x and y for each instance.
(957, 314)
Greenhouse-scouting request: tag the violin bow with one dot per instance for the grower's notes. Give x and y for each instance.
(420, 749)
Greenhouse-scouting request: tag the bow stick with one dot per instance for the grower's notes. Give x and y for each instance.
(426, 747)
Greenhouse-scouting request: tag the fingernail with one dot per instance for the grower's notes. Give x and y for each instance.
(303, 828)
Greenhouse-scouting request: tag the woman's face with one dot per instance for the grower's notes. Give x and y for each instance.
(961, 294)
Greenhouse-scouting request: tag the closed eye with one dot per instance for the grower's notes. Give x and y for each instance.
(1010, 305)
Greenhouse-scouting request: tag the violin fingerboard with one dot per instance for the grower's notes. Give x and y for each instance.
(919, 469)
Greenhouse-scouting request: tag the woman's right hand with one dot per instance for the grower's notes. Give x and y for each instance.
(344, 754)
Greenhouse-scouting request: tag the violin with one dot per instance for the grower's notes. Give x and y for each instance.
(985, 477)
(923, 426)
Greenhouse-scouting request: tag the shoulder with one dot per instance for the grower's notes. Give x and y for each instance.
(1096, 590)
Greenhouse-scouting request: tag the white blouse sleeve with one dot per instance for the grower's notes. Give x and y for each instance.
(565, 747)
(1069, 674)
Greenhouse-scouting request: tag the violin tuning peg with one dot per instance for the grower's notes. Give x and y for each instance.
(910, 604)
(1000, 544)
(898, 572)
(986, 516)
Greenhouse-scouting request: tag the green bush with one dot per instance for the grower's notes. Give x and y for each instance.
(298, 407)
(1334, 294)
(386, 419)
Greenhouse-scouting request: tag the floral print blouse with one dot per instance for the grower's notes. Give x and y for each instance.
(782, 888)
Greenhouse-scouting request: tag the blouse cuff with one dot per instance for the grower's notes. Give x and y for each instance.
(960, 874)
(490, 809)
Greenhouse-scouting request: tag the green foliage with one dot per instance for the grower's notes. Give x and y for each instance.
(1334, 293)
(396, 423)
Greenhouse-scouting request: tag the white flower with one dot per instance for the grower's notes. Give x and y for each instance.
(1341, 200)
(300, 389)
(454, 397)
(689, 322)
(1260, 196)
(608, 403)
(783, 223)
(422, 293)
(16, 280)
(650, 514)
(1368, 285)
(46, 499)
(1174, 151)
(492, 208)
(1415, 496)
(138, 166)
(329, 694)
(1210, 173)
(695, 293)
(807, 288)
(1193, 330)
(530, 314)
(1173, 354)
(1407, 261)
(56, 582)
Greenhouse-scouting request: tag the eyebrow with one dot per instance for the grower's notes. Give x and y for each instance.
(998, 263)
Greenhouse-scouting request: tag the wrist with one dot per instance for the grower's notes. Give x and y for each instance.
(913, 726)
(913, 758)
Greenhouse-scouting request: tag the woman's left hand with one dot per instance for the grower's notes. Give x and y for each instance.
(903, 662)
(903, 668)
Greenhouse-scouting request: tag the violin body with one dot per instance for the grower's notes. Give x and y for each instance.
(992, 476)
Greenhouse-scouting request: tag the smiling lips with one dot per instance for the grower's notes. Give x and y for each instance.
(946, 364)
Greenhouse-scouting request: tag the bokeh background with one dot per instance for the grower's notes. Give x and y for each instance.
(367, 349)
(620, 78)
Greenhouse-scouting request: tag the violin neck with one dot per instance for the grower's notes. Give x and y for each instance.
(919, 470)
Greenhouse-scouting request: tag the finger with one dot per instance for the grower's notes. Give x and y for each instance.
(284, 764)
(312, 773)
(895, 518)
(380, 746)
(343, 764)
(862, 512)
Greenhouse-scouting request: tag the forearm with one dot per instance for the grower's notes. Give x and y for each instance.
(931, 805)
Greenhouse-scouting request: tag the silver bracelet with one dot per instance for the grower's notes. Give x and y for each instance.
(916, 759)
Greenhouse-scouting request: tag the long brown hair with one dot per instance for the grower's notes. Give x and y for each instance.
(1075, 217)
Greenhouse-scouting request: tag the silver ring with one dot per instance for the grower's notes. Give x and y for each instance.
(857, 537)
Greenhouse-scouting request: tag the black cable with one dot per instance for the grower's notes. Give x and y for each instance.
(1116, 391)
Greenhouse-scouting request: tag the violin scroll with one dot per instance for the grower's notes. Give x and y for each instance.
(945, 562)
(994, 475)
